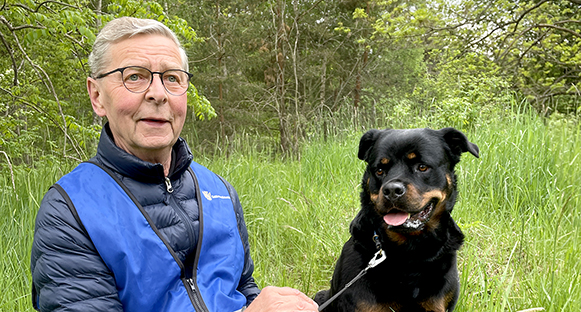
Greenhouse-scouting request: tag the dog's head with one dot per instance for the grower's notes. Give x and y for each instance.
(410, 180)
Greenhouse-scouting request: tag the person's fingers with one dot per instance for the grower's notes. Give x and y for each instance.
(282, 299)
(287, 291)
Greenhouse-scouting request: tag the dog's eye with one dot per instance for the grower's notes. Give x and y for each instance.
(423, 168)
(379, 171)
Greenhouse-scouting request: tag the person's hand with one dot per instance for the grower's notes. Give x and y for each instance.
(281, 299)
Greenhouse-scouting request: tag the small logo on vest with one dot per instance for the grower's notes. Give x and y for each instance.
(209, 196)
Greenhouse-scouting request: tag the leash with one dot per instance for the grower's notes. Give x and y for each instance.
(378, 258)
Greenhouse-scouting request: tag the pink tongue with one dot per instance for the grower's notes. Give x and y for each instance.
(396, 218)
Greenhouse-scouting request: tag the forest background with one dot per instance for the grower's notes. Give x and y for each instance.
(283, 71)
(279, 81)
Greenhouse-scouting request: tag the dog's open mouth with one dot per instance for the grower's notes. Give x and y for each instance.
(397, 217)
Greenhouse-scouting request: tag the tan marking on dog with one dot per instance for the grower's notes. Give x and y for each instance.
(415, 200)
(411, 155)
(377, 200)
(384, 307)
(412, 196)
(449, 179)
(436, 215)
(384, 161)
(373, 197)
(396, 237)
(449, 297)
(428, 196)
(434, 305)
(438, 304)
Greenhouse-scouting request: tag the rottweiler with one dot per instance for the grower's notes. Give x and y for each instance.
(408, 193)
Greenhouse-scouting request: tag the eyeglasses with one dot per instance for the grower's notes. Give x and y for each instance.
(137, 79)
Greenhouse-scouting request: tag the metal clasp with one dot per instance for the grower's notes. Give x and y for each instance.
(378, 258)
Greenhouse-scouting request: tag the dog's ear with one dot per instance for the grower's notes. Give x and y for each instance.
(458, 143)
(366, 143)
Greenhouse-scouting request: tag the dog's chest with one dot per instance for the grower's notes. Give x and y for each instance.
(368, 307)
(429, 306)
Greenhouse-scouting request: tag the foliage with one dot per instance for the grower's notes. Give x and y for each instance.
(45, 110)
(285, 70)
(536, 44)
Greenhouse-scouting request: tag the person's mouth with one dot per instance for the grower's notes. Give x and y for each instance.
(154, 121)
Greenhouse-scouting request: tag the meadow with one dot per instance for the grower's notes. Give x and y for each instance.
(519, 207)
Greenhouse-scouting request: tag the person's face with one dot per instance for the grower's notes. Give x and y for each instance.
(144, 124)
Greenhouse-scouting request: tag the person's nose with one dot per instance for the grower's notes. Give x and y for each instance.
(157, 91)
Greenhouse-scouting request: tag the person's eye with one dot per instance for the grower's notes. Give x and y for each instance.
(172, 77)
(133, 77)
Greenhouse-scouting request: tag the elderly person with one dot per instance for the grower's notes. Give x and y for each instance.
(140, 226)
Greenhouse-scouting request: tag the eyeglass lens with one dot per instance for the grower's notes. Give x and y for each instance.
(138, 79)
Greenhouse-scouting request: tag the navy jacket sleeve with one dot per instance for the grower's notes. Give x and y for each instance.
(67, 272)
(247, 284)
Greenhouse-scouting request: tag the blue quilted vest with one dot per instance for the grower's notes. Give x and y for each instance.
(148, 274)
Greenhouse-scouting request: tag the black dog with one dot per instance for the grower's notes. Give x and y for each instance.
(409, 191)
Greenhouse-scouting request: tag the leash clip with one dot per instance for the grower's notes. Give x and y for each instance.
(378, 258)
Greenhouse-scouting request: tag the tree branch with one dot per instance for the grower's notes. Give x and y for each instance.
(558, 93)
(568, 21)
(44, 77)
(574, 33)
(12, 29)
(39, 110)
(308, 10)
(503, 55)
(40, 5)
(14, 66)
(517, 22)
(56, 2)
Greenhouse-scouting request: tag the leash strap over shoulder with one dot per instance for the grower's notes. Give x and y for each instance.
(378, 258)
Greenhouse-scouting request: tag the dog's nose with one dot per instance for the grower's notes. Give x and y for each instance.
(393, 190)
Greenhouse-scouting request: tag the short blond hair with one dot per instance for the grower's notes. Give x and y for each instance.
(124, 28)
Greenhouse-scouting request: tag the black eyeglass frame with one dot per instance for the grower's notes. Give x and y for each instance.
(121, 69)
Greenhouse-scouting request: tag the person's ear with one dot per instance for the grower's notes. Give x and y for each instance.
(96, 96)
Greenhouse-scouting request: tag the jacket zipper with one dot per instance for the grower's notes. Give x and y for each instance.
(189, 283)
(179, 210)
(168, 185)
(195, 295)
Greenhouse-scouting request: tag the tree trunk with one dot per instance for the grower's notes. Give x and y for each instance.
(280, 80)
(220, 78)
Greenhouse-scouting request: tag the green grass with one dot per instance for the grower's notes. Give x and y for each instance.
(518, 207)
(18, 210)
